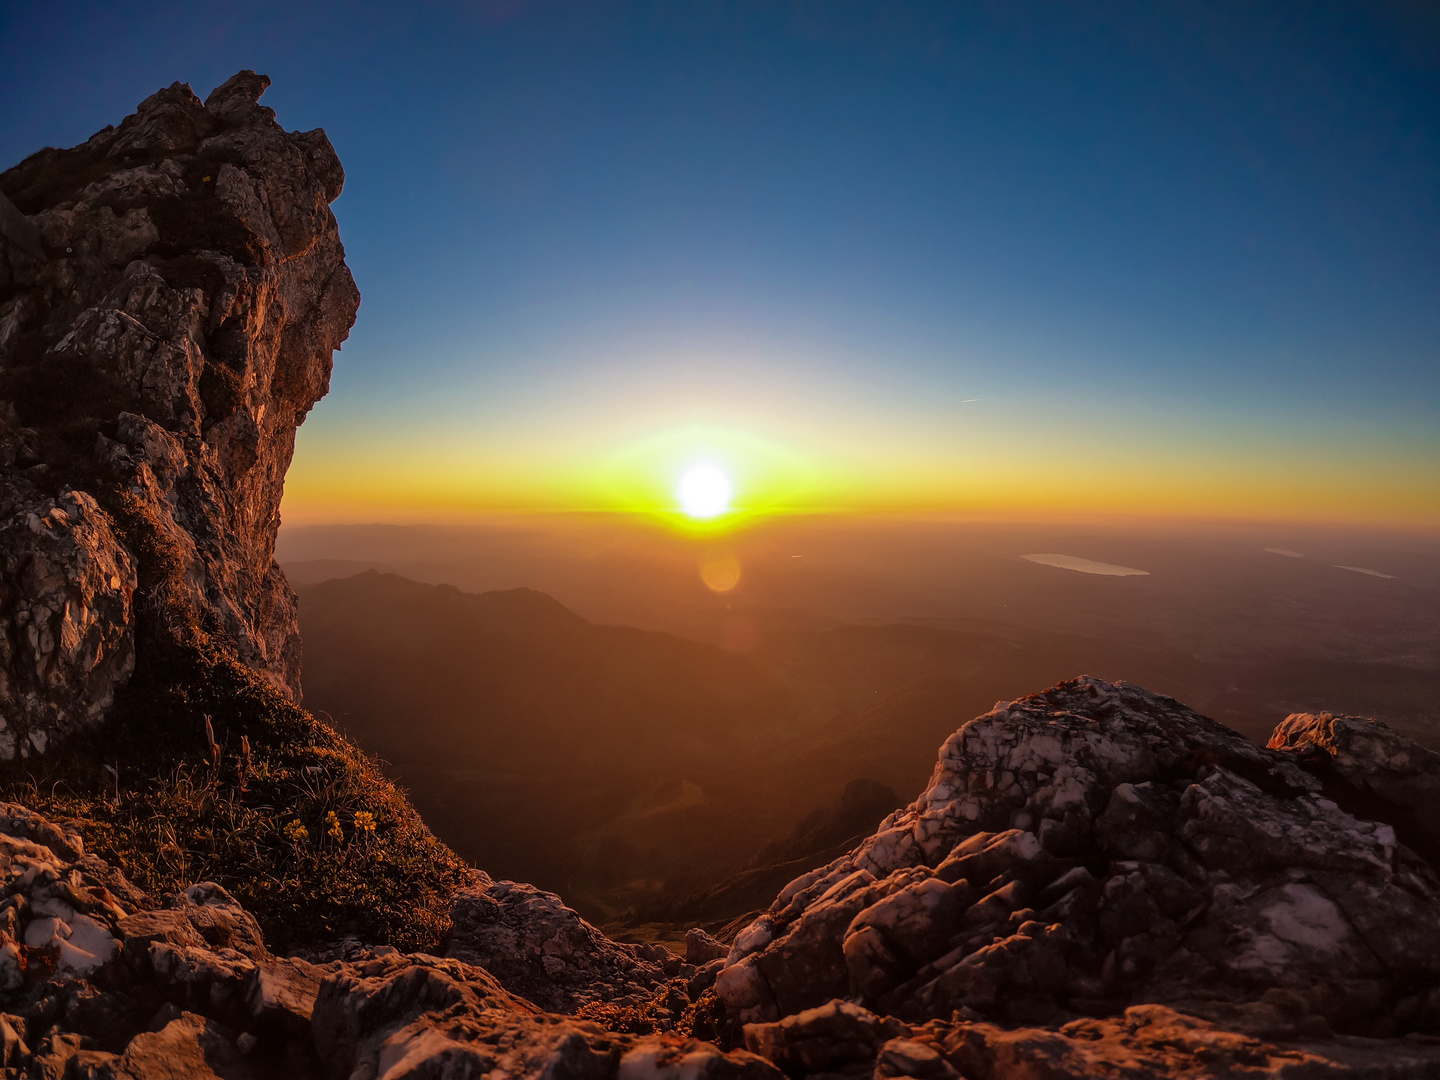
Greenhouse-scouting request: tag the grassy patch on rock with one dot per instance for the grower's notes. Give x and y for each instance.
(303, 829)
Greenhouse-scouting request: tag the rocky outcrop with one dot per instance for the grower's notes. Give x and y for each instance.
(1146, 1042)
(1095, 850)
(67, 587)
(1244, 924)
(99, 980)
(153, 370)
(1392, 775)
(541, 949)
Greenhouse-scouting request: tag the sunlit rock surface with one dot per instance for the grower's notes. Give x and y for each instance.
(99, 979)
(66, 610)
(1401, 778)
(153, 371)
(1095, 850)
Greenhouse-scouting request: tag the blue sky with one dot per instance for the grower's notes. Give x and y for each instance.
(1180, 231)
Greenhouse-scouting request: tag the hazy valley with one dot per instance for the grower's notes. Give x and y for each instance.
(689, 751)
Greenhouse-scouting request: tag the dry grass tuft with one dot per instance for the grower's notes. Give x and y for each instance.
(206, 772)
(146, 796)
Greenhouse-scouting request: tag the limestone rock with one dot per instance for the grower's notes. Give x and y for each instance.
(824, 1039)
(66, 607)
(1097, 847)
(283, 993)
(190, 1047)
(423, 1016)
(701, 948)
(82, 971)
(1154, 1041)
(57, 917)
(1372, 758)
(61, 1056)
(1209, 968)
(205, 916)
(542, 950)
(907, 1057)
(153, 371)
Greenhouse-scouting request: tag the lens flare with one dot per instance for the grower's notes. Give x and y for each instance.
(721, 573)
(704, 492)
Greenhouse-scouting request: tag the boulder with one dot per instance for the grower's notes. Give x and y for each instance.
(543, 951)
(1370, 758)
(828, 1038)
(1097, 847)
(701, 948)
(189, 1047)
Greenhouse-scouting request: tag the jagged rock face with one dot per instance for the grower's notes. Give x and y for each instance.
(99, 980)
(66, 607)
(156, 367)
(1097, 847)
(1401, 778)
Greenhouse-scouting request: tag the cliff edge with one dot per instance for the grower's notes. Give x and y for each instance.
(154, 367)
(171, 294)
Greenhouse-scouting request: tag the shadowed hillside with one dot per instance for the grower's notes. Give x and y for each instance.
(505, 713)
(684, 773)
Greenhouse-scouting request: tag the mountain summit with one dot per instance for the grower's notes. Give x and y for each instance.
(200, 879)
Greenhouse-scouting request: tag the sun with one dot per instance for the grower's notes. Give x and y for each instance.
(704, 492)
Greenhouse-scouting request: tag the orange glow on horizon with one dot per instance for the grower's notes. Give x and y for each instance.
(736, 476)
(316, 495)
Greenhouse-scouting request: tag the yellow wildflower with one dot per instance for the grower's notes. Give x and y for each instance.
(332, 826)
(296, 832)
(365, 821)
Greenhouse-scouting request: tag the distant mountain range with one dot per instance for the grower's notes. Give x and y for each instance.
(643, 775)
(599, 760)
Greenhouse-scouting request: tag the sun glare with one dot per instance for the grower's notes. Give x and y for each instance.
(704, 492)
